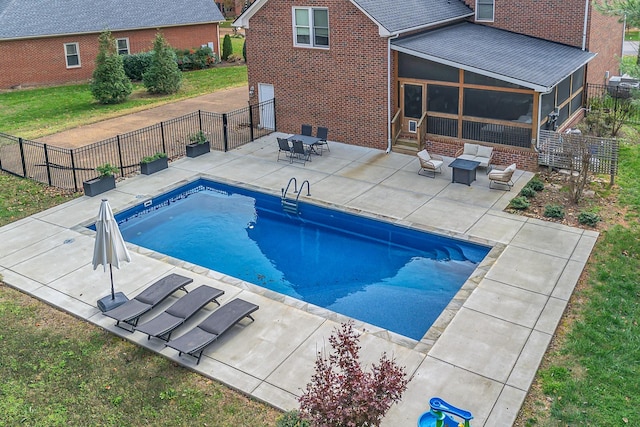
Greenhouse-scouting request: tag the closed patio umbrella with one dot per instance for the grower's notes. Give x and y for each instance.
(109, 249)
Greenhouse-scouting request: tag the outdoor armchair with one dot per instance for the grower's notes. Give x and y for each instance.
(502, 177)
(429, 163)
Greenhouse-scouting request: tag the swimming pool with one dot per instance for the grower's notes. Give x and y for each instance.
(390, 276)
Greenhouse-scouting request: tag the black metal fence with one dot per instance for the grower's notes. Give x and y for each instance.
(613, 98)
(69, 167)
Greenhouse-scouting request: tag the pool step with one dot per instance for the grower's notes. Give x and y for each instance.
(290, 206)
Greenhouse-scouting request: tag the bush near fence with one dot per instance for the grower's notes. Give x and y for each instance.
(69, 168)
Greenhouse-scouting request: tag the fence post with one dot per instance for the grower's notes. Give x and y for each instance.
(275, 125)
(251, 122)
(24, 163)
(164, 146)
(120, 157)
(46, 162)
(73, 168)
(614, 162)
(200, 119)
(225, 131)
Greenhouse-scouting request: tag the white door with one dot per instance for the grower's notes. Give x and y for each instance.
(267, 110)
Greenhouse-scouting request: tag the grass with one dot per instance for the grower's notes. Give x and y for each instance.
(33, 113)
(592, 375)
(632, 35)
(61, 371)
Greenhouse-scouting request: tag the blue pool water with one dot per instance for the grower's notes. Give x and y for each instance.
(389, 276)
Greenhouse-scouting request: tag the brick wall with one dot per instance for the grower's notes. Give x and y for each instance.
(605, 36)
(343, 88)
(502, 155)
(42, 61)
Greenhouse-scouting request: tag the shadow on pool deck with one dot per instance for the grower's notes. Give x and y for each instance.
(481, 355)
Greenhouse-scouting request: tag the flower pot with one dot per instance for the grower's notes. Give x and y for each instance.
(195, 150)
(154, 166)
(99, 185)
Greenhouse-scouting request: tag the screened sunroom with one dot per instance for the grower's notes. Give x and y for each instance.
(475, 83)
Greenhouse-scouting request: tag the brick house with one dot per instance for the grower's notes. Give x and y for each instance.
(52, 42)
(436, 72)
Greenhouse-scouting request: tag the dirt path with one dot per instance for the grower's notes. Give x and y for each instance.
(221, 101)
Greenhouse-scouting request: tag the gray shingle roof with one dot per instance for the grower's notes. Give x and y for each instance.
(33, 18)
(528, 61)
(397, 16)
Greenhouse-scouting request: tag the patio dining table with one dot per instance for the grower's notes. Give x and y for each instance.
(310, 141)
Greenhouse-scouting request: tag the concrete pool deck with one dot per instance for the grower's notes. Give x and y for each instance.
(481, 355)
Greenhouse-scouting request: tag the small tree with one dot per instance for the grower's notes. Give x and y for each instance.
(227, 48)
(342, 394)
(110, 84)
(163, 76)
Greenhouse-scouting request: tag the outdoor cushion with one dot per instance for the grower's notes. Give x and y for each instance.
(484, 151)
(470, 149)
(424, 155)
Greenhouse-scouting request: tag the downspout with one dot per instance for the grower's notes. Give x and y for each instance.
(584, 28)
(395, 36)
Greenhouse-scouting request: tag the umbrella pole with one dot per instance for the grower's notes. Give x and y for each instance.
(113, 294)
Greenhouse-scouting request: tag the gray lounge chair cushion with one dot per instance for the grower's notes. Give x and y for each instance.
(194, 341)
(162, 325)
(131, 310)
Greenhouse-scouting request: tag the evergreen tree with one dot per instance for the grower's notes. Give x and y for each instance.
(110, 84)
(227, 48)
(163, 76)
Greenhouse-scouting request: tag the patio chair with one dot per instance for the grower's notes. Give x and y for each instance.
(502, 177)
(197, 339)
(429, 163)
(307, 130)
(300, 152)
(130, 312)
(284, 147)
(322, 133)
(166, 322)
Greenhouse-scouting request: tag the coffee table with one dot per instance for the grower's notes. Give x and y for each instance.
(464, 171)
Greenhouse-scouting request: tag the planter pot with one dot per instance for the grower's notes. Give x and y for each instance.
(99, 185)
(195, 150)
(154, 166)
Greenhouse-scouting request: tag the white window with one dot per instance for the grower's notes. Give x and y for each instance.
(72, 55)
(484, 10)
(122, 45)
(310, 27)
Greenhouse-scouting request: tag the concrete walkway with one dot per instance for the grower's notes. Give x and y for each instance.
(482, 353)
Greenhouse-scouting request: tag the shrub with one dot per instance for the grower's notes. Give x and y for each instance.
(342, 394)
(528, 192)
(195, 59)
(149, 159)
(163, 76)
(244, 50)
(519, 203)
(198, 138)
(227, 48)
(137, 64)
(535, 184)
(291, 419)
(588, 218)
(554, 211)
(107, 169)
(109, 83)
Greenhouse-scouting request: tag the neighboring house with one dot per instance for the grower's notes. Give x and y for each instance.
(232, 8)
(493, 71)
(50, 42)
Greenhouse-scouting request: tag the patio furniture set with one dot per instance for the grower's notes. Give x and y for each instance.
(468, 159)
(299, 147)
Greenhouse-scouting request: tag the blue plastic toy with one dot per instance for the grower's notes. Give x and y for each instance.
(436, 417)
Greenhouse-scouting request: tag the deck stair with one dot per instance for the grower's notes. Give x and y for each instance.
(405, 145)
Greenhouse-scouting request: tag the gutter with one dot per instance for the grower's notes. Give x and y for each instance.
(389, 91)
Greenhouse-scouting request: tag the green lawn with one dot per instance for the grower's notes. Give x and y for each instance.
(33, 113)
(592, 375)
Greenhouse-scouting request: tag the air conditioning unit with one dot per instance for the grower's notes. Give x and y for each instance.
(413, 126)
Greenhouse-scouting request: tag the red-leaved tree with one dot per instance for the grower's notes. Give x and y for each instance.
(341, 394)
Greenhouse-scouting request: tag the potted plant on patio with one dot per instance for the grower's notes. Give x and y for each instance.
(155, 163)
(105, 181)
(199, 144)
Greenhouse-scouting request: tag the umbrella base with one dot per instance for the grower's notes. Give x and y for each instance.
(107, 303)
